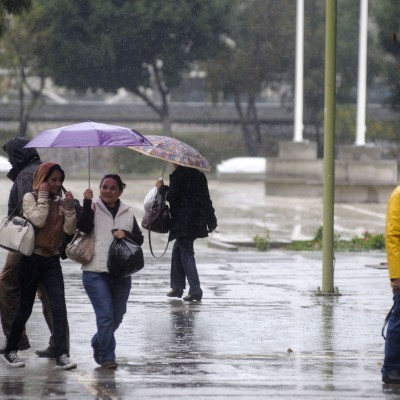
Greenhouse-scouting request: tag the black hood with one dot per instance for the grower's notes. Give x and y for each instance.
(18, 156)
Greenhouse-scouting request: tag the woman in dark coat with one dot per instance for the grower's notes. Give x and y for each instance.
(192, 217)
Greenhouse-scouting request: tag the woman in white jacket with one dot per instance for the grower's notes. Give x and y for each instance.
(109, 217)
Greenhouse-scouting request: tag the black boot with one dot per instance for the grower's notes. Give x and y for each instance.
(193, 297)
(175, 293)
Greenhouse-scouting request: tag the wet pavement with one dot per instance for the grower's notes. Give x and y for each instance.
(260, 331)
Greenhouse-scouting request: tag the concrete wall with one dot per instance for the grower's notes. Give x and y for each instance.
(360, 175)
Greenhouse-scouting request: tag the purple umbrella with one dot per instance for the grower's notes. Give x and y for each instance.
(88, 134)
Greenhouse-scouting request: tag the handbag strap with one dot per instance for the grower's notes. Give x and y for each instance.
(151, 248)
(76, 235)
(17, 206)
(386, 322)
(149, 230)
(15, 209)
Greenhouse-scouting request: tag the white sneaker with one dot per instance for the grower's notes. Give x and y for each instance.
(13, 360)
(64, 362)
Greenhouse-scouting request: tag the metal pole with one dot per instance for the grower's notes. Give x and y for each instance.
(362, 74)
(329, 148)
(298, 106)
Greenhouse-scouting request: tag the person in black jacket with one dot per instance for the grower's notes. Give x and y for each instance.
(192, 217)
(24, 163)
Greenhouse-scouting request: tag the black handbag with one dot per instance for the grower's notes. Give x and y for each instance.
(125, 258)
(157, 218)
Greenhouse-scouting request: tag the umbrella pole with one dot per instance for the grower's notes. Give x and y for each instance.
(89, 165)
(163, 171)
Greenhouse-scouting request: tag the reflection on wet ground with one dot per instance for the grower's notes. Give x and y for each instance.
(260, 331)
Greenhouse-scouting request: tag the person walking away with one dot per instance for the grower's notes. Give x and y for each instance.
(108, 217)
(192, 217)
(51, 216)
(24, 163)
(391, 364)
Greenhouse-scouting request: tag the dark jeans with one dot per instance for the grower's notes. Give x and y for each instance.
(392, 345)
(183, 265)
(108, 297)
(10, 300)
(31, 270)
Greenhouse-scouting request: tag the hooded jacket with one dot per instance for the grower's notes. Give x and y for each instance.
(24, 163)
(49, 213)
(392, 238)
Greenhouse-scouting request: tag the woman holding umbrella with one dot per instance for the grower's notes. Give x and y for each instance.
(192, 217)
(108, 217)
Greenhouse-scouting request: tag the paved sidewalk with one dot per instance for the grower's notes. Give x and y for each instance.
(260, 331)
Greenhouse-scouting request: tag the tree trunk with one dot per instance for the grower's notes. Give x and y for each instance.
(23, 127)
(166, 123)
(164, 93)
(248, 136)
(21, 98)
(25, 111)
(161, 110)
(253, 117)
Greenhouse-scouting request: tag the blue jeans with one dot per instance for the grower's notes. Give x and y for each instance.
(31, 270)
(392, 345)
(108, 297)
(183, 265)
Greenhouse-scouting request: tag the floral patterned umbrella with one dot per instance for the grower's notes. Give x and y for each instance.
(174, 151)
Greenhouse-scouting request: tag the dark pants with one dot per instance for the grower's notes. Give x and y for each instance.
(391, 361)
(9, 295)
(10, 298)
(183, 265)
(31, 271)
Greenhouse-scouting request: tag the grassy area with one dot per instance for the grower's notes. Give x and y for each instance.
(367, 241)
